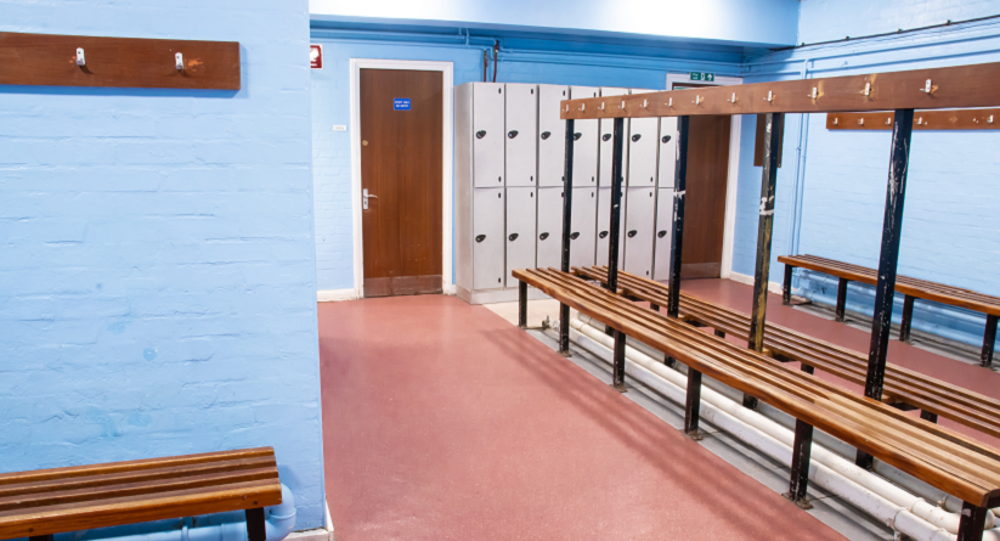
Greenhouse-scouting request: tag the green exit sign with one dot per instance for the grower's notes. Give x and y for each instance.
(702, 76)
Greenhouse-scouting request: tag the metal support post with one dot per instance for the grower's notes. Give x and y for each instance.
(808, 369)
(677, 231)
(522, 304)
(692, 406)
(256, 530)
(904, 324)
(842, 299)
(616, 203)
(720, 334)
(972, 523)
(800, 464)
(786, 285)
(618, 368)
(928, 416)
(892, 227)
(989, 339)
(566, 229)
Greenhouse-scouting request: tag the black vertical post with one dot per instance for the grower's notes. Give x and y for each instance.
(801, 452)
(692, 405)
(904, 324)
(566, 229)
(989, 339)
(841, 299)
(892, 227)
(786, 286)
(677, 231)
(256, 530)
(972, 523)
(522, 304)
(765, 226)
(928, 416)
(616, 202)
(618, 369)
(808, 369)
(48, 537)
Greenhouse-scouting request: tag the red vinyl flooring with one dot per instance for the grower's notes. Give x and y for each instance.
(442, 421)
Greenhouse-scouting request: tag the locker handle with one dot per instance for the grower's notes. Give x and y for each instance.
(666, 139)
(480, 134)
(512, 134)
(574, 235)
(636, 137)
(632, 233)
(603, 234)
(606, 137)
(543, 236)
(545, 135)
(512, 237)
(661, 234)
(577, 136)
(480, 238)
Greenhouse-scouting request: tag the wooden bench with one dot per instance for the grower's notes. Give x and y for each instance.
(911, 288)
(904, 389)
(944, 459)
(40, 503)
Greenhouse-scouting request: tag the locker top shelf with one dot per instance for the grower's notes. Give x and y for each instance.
(957, 87)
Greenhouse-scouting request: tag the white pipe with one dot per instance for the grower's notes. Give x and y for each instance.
(895, 507)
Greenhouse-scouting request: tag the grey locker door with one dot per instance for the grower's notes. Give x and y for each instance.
(487, 238)
(603, 227)
(549, 244)
(521, 134)
(582, 237)
(585, 147)
(551, 135)
(487, 135)
(639, 231)
(668, 152)
(606, 144)
(642, 150)
(520, 230)
(664, 233)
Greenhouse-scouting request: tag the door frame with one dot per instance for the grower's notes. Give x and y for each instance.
(732, 176)
(447, 138)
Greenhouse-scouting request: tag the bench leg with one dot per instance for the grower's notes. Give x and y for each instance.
(863, 460)
(654, 307)
(786, 286)
(522, 305)
(801, 452)
(669, 361)
(972, 523)
(904, 324)
(48, 537)
(808, 369)
(719, 333)
(564, 330)
(618, 370)
(928, 416)
(989, 339)
(255, 525)
(749, 402)
(692, 406)
(841, 299)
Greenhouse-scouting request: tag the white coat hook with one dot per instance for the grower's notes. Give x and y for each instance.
(868, 89)
(623, 104)
(732, 99)
(815, 94)
(888, 120)
(770, 97)
(80, 59)
(861, 121)
(670, 102)
(179, 61)
(601, 108)
(989, 120)
(927, 89)
(583, 106)
(567, 108)
(920, 120)
(698, 99)
(835, 119)
(644, 104)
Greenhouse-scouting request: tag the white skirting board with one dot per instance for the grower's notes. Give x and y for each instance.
(336, 295)
(773, 287)
(318, 534)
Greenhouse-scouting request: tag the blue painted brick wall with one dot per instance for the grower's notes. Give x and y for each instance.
(157, 278)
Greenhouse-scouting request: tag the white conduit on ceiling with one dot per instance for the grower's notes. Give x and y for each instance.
(890, 504)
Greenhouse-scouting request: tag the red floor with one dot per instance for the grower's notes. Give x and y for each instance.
(740, 297)
(443, 421)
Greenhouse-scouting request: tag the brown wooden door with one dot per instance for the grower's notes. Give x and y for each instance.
(401, 169)
(705, 205)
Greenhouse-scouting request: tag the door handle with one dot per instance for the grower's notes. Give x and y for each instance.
(632, 233)
(512, 134)
(480, 238)
(545, 135)
(574, 235)
(665, 139)
(364, 198)
(606, 137)
(636, 137)
(661, 234)
(603, 234)
(577, 136)
(512, 237)
(543, 236)
(480, 134)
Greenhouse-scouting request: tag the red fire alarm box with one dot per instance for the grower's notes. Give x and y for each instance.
(316, 57)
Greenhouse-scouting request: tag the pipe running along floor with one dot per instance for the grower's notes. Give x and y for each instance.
(443, 421)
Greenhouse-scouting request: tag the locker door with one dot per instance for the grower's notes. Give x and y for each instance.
(664, 233)
(603, 227)
(487, 135)
(606, 144)
(642, 150)
(488, 238)
(521, 134)
(585, 147)
(582, 238)
(520, 230)
(550, 204)
(668, 152)
(639, 231)
(551, 135)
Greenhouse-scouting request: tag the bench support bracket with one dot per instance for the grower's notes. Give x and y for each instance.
(677, 230)
(907, 320)
(256, 529)
(618, 367)
(692, 405)
(989, 339)
(786, 286)
(972, 523)
(801, 452)
(567, 227)
(842, 299)
(522, 305)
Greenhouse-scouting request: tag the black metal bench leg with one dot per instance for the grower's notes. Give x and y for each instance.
(928, 416)
(719, 333)
(618, 371)
(989, 339)
(904, 324)
(808, 369)
(48, 537)
(256, 531)
(801, 452)
(972, 523)
(692, 406)
(841, 299)
(522, 305)
(564, 330)
(654, 307)
(786, 287)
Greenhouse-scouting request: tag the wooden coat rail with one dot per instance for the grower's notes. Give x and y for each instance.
(949, 119)
(976, 85)
(58, 60)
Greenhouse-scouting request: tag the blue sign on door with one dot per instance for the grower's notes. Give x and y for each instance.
(401, 104)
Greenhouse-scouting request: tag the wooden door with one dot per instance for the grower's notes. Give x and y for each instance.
(705, 204)
(401, 170)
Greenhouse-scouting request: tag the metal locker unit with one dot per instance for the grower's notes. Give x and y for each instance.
(606, 129)
(603, 227)
(664, 233)
(551, 136)
(585, 147)
(521, 115)
(584, 220)
(488, 236)
(668, 152)
(642, 134)
(549, 243)
(488, 129)
(639, 231)
(520, 230)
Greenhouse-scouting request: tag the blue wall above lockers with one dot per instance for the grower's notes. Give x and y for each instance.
(157, 284)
